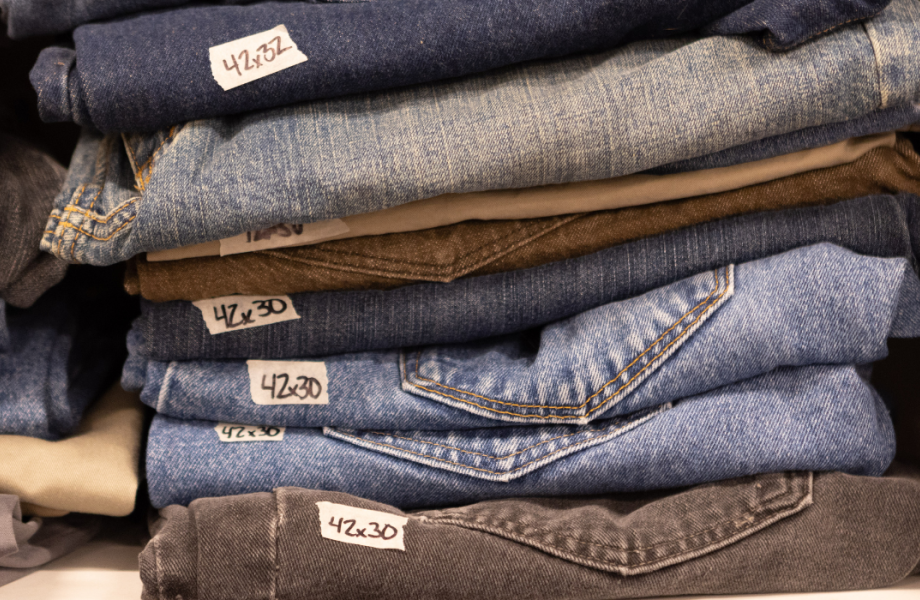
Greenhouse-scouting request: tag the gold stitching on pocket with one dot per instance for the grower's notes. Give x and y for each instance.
(712, 303)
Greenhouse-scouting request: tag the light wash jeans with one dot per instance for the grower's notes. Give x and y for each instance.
(647, 104)
(823, 418)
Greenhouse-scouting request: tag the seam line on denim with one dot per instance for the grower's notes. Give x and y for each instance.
(80, 231)
(139, 178)
(507, 456)
(276, 532)
(882, 89)
(465, 466)
(96, 218)
(130, 150)
(89, 212)
(769, 38)
(585, 403)
(395, 272)
(752, 518)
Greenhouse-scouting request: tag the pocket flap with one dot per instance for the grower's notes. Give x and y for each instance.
(632, 534)
(574, 370)
(500, 454)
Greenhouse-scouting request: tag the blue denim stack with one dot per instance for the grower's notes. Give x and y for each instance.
(730, 348)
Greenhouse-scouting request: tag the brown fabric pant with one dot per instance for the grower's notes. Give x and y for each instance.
(783, 532)
(484, 247)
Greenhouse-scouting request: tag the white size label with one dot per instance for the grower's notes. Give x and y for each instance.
(361, 526)
(253, 57)
(288, 382)
(231, 432)
(231, 313)
(282, 236)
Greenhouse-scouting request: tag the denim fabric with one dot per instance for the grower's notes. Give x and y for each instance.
(801, 418)
(574, 119)
(25, 18)
(502, 303)
(477, 247)
(888, 119)
(153, 71)
(781, 532)
(785, 28)
(29, 182)
(61, 357)
(815, 305)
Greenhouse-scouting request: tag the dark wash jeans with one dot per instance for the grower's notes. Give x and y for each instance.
(781, 24)
(480, 307)
(126, 75)
(782, 532)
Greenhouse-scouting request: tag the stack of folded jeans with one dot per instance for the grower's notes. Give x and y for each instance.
(479, 272)
(58, 354)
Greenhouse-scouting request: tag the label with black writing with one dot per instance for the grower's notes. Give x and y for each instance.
(282, 236)
(288, 382)
(253, 57)
(231, 432)
(231, 313)
(361, 526)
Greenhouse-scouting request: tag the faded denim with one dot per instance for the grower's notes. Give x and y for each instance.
(815, 305)
(575, 119)
(503, 303)
(823, 418)
(773, 533)
(152, 71)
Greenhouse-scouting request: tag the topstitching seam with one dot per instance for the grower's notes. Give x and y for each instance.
(585, 403)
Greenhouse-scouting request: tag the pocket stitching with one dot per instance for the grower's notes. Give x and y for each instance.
(465, 466)
(742, 525)
(416, 270)
(585, 403)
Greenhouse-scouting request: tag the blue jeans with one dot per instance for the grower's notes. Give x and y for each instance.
(823, 418)
(490, 305)
(125, 75)
(4, 329)
(785, 27)
(573, 119)
(814, 305)
(61, 357)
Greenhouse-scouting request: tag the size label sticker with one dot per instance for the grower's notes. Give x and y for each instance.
(231, 313)
(288, 382)
(253, 57)
(282, 236)
(361, 526)
(231, 432)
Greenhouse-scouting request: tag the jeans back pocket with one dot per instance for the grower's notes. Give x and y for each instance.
(575, 370)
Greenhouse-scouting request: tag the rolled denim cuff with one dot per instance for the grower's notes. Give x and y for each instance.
(57, 83)
(796, 23)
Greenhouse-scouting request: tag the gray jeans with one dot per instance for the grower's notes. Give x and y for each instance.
(29, 181)
(783, 532)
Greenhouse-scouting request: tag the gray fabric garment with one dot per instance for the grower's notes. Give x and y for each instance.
(785, 532)
(26, 545)
(29, 181)
(14, 532)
